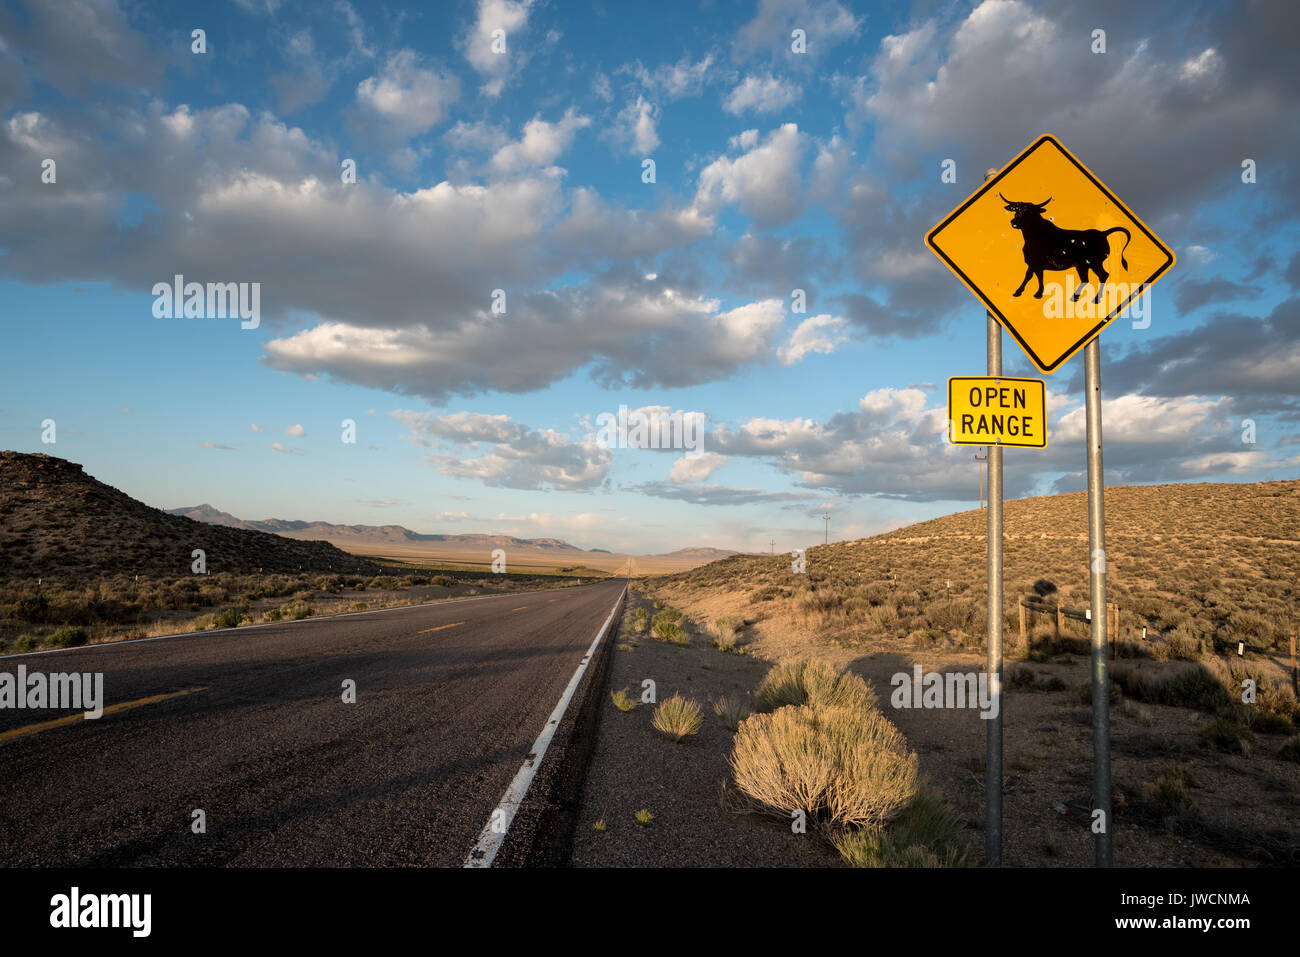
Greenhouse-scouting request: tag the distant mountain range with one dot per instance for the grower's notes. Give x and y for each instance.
(399, 541)
(376, 534)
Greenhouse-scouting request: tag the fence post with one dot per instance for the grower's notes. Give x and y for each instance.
(1295, 686)
(1060, 620)
(1022, 628)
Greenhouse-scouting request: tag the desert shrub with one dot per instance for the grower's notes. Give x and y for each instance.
(1248, 626)
(640, 612)
(926, 833)
(24, 643)
(1225, 734)
(731, 711)
(1180, 685)
(67, 638)
(31, 608)
(1168, 792)
(443, 581)
(297, 611)
(227, 619)
(1179, 644)
(623, 701)
(666, 627)
(359, 606)
(883, 616)
(639, 625)
(726, 632)
(1084, 692)
(844, 766)
(811, 682)
(767, 593)
(273, 614)
(678, 717)
(954, 615)
(1270, 722)
(1021, 679)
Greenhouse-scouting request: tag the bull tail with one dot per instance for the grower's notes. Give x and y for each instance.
(1127, 239)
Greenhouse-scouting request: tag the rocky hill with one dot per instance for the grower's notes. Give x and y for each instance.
(60, 524)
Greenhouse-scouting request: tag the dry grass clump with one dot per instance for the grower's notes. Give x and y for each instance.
(845, 766)
(1168, 793)
(726, 632)
(731, 711)
(926, 833)
(623, 701)
(1186, 685)
(811, 682)
(666, 626)
(678, 717)
(1225, 734)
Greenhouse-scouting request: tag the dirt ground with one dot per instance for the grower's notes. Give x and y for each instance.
(1245, 808)
(635, 767)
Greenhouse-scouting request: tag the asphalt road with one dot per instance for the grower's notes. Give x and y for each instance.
(449, 700)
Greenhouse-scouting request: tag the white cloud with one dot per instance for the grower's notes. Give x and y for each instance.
(407, 98)
(297, 431)
(635, 126)
(519, 457)
(825, 23)
(541, 144)
(630, 335)
(673, 80)
(696, 469)
(761, 94)
(763, 182)
(510, 16)
(815, 334)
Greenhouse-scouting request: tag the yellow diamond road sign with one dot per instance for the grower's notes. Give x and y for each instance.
(997, 410)
(1050, 251)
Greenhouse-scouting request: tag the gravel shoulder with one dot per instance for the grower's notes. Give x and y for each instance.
(635, 767)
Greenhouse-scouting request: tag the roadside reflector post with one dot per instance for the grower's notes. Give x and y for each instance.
(1101, 826)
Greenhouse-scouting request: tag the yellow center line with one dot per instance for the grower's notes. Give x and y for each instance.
(440, 627)
(549, 600)
(520, 608)
(80, 716)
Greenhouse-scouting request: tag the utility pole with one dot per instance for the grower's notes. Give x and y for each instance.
(773, 544)
(981, 459)
(827, 517)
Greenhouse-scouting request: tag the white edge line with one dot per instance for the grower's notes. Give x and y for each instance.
(274, 624)
(491, 839)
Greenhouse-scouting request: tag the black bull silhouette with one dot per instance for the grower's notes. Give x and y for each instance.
(1048, 246)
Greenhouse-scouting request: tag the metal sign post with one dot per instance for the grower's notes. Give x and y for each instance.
(1097, 593)
(993, 734)
(1116, 258)
(993, 741)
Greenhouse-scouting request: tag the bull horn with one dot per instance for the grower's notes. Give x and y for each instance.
(1044, 202)
(1005, 200)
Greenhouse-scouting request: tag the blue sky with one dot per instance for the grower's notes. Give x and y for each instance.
(775, 170)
